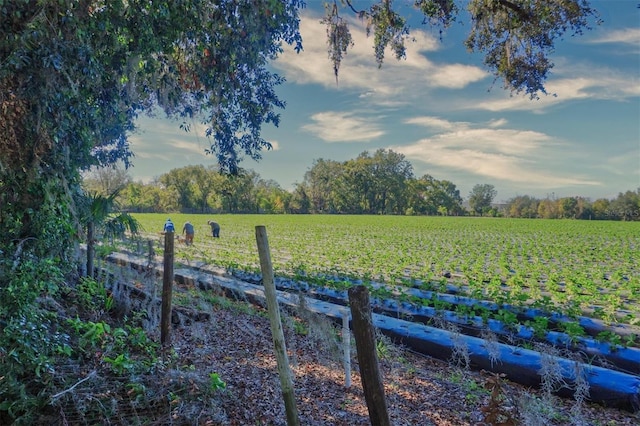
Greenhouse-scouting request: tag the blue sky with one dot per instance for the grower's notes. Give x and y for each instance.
(442, 110)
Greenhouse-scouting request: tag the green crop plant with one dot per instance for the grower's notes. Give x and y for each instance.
(566, 267)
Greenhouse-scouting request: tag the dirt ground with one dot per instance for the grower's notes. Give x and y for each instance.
(231, 341)
(237, 345)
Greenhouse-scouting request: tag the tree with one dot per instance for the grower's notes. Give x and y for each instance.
(626, 206)
(601, 208)
(104, 217)
(568, 207)
(75, 74)
(481, 197)
(320, 187)
(516, 37)
(548, 209)
(431, 196)
(391, 172)
(300, 202)
(204, 184)
(106, 180)
(522, 206)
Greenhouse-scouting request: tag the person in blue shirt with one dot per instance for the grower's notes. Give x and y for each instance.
(188, 232)
(168, 226)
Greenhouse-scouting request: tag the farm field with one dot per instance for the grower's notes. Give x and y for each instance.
(571, 267)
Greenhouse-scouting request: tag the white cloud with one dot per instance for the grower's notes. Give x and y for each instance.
(334, 126)
(275, 145)
(393, 83)
(433, 122)
(598, 83)
(624, 35)
(504, 154)
(498, 122)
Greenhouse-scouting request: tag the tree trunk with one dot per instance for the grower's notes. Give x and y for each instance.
(91, 251)
(364, 334)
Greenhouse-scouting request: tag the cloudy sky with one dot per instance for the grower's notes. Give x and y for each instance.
(443, 111)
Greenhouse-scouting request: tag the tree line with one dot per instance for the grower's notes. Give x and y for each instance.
(626, 206)
(379, 183)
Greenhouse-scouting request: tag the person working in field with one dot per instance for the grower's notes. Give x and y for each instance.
(168, 226)
(188, 231)
(215, 229)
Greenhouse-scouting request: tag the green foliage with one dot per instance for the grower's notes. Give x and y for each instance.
(29, 343)
(338, 34)
(481, 197)
(93, 296)
(516, 38)
(540, 326)
(216, 383)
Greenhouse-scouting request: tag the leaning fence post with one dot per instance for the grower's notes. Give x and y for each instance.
(286, 381)
(364, 333)
(167, 286)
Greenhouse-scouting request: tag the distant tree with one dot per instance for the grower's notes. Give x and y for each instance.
(522, 206)
(238, 192)
(601, 208)
(271, 197)
(481, 197)
(140, 198)
(181, 181)
(626, 206)
(548, 209)
(568, 207)
(300, 201)
(320, 187)
(204, 184)
(431, 196)
(391, 173)
(106, 180)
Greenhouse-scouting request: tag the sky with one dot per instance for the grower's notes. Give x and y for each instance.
(443, 110)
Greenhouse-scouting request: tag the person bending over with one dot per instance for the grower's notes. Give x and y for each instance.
(215, 229)
(188, 232)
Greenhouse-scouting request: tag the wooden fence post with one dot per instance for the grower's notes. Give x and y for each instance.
(167, 287)
(286, 381)
(364, 334)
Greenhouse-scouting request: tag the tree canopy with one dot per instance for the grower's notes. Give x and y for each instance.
(481, 197)
(516, 37)
(75, 74)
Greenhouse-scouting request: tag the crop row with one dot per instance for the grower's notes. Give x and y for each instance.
(575, 268)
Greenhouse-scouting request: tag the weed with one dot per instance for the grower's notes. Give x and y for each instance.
(216, 383)
(497, 412)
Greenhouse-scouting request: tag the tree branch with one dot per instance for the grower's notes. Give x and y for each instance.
(59, 394)
(357, 12)
(516, 8)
